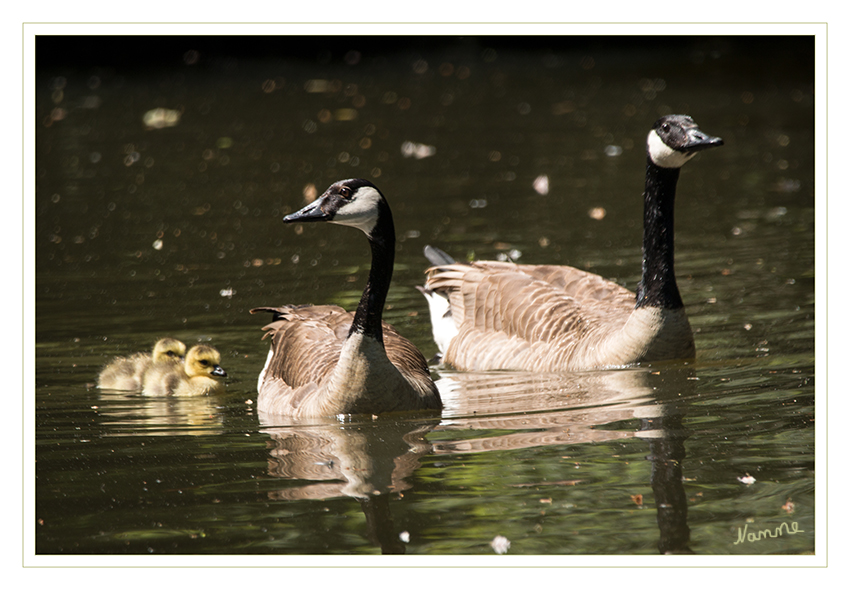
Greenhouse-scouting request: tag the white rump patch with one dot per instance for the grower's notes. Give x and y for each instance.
(442, 324)
(361, 212)
(262, 376)
(663, 155)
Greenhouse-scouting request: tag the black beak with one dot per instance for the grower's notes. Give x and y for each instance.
(698, 141)
(218, 372)
(312, 212)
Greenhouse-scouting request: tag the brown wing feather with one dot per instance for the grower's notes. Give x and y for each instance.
(404, 355)
(306, 342)
(507, 313)
(306, 346)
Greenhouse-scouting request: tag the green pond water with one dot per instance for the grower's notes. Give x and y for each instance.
(144, 232)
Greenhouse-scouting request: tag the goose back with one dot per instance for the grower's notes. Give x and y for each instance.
(125, 373)
(546, 318)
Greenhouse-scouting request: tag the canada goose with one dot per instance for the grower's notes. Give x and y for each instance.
(126, 373)
(200, 374)
(325, 361)
(498, 315)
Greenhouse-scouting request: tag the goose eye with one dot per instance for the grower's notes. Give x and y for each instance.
(665, 127)
(345, 192)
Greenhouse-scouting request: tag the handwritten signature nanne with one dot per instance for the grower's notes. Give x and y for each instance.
(782, 529)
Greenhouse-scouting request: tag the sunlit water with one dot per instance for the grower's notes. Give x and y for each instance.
(146, 232)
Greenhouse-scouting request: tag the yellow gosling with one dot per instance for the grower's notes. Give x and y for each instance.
(127, 373)
(200, 374)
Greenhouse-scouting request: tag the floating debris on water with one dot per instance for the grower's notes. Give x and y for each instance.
(597, 213)
(747, 479)
(500, 544)
(410, 149)
(541, 184)
(161, 118)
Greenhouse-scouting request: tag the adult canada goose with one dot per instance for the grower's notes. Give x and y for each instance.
(200, 374)
(126, 373)
(495, 315)
(325, 361)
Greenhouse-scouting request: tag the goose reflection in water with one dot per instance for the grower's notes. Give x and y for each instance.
(574, 408)
(368, 461)
(373, 461)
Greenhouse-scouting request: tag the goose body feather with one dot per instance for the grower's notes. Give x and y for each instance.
(315, 369)
(551, 318)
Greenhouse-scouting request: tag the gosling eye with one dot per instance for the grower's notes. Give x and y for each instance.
(204, 363)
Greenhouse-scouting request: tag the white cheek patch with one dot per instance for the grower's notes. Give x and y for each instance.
(663, 155)
(361, 212)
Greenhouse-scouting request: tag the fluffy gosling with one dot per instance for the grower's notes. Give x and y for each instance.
(200, 374)
(127, 373)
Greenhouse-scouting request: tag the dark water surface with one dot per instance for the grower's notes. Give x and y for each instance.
(176, 231)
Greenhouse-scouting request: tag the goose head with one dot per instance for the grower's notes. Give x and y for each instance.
(203, 361)
(354, 202)
(169, 349)
(675, 139)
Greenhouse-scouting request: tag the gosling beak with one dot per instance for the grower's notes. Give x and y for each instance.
(218, 372)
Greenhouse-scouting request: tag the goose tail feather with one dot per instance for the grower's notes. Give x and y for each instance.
(437, 257)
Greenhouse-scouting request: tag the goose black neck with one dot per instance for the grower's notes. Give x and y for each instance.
(367, 318)
(657, 286)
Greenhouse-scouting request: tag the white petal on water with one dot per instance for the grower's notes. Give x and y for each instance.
(541, 184)
(411, 149)
(161, 118)
(500, 544)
